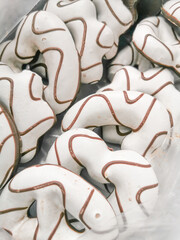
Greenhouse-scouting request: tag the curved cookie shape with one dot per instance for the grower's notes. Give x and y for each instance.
(117, 17)
(93, 39)
(136, 185)
(9, 146)
(171, 11)
(22, 94)
(158, 42)
(128, 56)
(55, 189)
(45, 32)
(147, 117)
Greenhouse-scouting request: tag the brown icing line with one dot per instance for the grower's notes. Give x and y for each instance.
(122, 134)
(163, 86)
(30, 89)
(35, 125)
(175, 4)
(84, 33)
(156, 25)
(118, 201)
(59, 3)
(6, 176)
(107, 89)
(83, 105)
(145, 24)
(40, 186)
(152, 76)
(170, 17)
(153, 140)
(5, 140)
(12, 210)
(91, 66)
(68, 222)
(56, 227)
(114, 14)
(127, 77)
(175, 11)
(27, 151)
(10, 80)
(8, 231)
(150, 35)
(83, 209)
(57, 153)
(132, 101)
(57, 74)
(4, 51)
(171, 118)
(98, 37)
(70, 143)
(43, 65)
(138, 194)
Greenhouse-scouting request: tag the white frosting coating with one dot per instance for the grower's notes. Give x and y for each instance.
(171, 10)
(45, 32)
(136, 188)
(22, 94)
(9, 146)
(54, 188)
(93, 39)
(117, 16)
(158, 42)
(146, 116)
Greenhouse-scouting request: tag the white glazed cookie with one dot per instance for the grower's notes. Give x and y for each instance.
(128, 56)
(45, 32)
(136, 186)
(93, 39)
(9, 146)
(22, 94)
(171, 11)
(158, 42)
(144, 114)
(55, 189)
(117, 16)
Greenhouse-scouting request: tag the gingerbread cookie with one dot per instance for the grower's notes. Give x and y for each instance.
(22, 94)
(144, 114)
(158, 42)
(45, 32)
(171, 11)
(9, 146)
(54, 189)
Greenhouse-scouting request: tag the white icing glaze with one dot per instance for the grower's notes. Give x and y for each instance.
(54, 188)
(135, 182)
(146, 116)
(171, 10)
(158, 42)
(9, 146)
(117, 16)
(93, 38)
(45, 32)
(22, 94)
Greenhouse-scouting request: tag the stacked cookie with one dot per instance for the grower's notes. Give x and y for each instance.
(64, 45)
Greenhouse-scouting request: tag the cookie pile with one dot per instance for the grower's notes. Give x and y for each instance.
(41, 71)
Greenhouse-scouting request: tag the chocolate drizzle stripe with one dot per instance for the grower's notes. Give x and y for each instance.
(65, 5)
(83, 209)
(57, 153)
(56, 227)
(57, 73)
(8, 231)
(28, 151)
(114, 14)
(83, 105)
(147, 25)
(175, 10)
(153, 140)
(171, 118)
(107, 89)
(163, 86)
(138, 194)
(4, 51)
(127, 77)
(146, 116)
(40, 186)
(45, 31)
(36, 232)
(13, 210)
(129, 101)
(170, 17)
(30, 89)
(43, 65)
(98, 38)
(10, 80)
(150, 35)
(35, 125)
(175, 4)
(152, 76)
(156, 25)
(9, 171)
(84, 33)
(122, 134)
(70, 145)
(118, 201)
(5, 140)
(91, 66)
